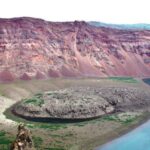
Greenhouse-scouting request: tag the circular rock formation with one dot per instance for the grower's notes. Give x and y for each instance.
(82, 103)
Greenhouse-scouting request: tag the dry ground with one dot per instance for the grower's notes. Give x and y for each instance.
(72, 136)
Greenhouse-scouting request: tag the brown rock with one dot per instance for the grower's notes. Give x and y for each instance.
(6, 76)
(71, 49)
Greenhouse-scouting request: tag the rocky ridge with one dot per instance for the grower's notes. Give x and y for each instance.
(83, 103)
(36, 49)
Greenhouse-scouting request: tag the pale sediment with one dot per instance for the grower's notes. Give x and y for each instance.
(4, 104)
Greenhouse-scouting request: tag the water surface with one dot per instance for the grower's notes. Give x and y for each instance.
(147, 80)
(138, 139)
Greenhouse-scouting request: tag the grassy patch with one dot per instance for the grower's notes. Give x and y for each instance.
(39, 144)
(2, 133)
(5, 140)
(124, 79)
(35, 101)
(48, 126)
(124, 119)
(52, 126)
(38, 141)
(32, 125)
(39, 95)
(110, 118)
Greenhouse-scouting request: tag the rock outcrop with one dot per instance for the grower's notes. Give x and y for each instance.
(33, 48)
(83, 103)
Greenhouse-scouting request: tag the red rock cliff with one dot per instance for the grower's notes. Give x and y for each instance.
(34, 48)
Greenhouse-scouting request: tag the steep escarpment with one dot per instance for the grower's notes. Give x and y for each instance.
(83, 103)
(33, 48)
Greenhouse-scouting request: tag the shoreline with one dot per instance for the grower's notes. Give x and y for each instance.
(91, 142)
(122, 130)
(98, 141)
(6, 104)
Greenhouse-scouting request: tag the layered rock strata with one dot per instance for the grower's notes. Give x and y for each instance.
(37, 49)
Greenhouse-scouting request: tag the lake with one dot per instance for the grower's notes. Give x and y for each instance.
(147, 80)
(138, 139)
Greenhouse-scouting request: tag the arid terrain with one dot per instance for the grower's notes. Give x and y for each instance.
(36, 49)
(75, 85)
(56, 135)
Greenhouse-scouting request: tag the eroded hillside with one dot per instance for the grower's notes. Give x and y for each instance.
(34, 48)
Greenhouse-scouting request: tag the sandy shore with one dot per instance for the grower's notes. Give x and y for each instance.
(4, 104)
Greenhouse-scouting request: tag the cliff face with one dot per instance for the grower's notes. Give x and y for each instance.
(33, 48)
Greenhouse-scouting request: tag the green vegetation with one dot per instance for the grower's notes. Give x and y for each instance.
(36, 100)
(124, 119)
(2, 133)
(101, 119)
(48, 126)
(124, 79)
(39, 95)
(5, 140)
(48, 134)
(2, 94)
(31, 124)
(52, 126)
(38, 141)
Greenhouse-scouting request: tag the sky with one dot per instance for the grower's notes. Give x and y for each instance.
(108, 11)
